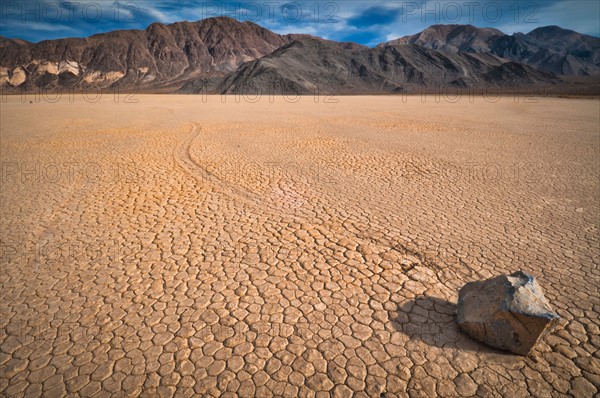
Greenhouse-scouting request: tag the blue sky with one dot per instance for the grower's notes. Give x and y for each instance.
(367, 22)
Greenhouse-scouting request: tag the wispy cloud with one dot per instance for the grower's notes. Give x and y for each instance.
(366, 22)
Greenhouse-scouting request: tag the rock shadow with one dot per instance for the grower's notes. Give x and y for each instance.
(432, 320)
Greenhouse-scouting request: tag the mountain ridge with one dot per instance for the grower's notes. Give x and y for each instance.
(156, 56)
(222, 54)
(310, 65)
(550, 48)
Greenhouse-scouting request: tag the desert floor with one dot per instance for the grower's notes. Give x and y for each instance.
(186, 246)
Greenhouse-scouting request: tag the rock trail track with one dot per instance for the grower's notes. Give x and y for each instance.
(301, 250)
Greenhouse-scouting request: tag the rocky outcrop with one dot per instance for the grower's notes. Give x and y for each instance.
(506, 312)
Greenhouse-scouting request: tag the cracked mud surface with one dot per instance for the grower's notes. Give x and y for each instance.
(180, 248)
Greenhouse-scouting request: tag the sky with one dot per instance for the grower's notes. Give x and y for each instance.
(368, 22)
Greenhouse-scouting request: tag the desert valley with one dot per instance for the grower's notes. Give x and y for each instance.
(185, 212)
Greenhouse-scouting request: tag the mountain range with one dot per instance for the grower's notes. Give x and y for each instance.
(550, 48)
(223, 55)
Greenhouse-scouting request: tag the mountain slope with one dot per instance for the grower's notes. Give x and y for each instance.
(550, 49)
(224, 55)
(451, 38)
(313, 65)
(158, 56)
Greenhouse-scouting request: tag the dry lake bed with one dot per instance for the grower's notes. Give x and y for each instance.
(164, 245)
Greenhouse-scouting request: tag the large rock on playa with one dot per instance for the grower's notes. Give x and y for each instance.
(505, 312)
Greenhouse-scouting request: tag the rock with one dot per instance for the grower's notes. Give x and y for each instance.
(506, 312)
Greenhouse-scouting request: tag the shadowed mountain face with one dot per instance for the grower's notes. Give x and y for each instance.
(553, 49)
(313, 65)
(225, 55)
(550, 49)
